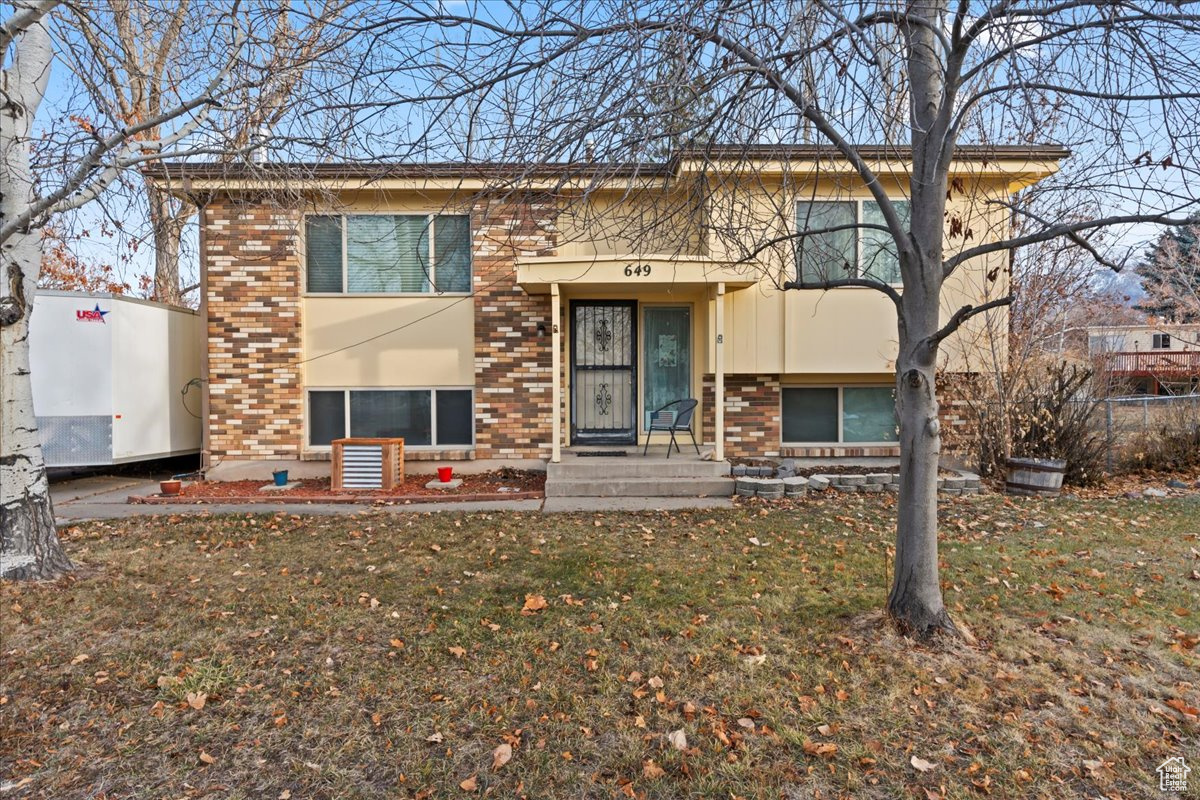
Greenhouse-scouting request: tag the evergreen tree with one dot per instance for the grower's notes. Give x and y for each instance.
(1170, 275)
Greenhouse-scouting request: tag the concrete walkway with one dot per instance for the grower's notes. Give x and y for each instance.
(104, 497)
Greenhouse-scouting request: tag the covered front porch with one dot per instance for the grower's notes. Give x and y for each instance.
(630, 334)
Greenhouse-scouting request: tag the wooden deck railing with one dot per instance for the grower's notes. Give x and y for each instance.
(1155, 364)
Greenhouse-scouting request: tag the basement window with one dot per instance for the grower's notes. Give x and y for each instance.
(422, 417)
(839, 414)
(387, 254)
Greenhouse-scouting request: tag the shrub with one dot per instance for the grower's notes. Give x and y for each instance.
(1173, 445)
(1052, 418)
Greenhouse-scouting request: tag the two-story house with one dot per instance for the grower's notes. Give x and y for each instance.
(494, 324)
(1155, 359)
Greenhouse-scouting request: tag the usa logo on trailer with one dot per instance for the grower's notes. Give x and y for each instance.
(95, 315)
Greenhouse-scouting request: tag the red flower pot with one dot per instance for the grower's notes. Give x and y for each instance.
(170, 488)
(445, 474)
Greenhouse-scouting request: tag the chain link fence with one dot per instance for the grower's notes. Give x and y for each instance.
(1133, 424)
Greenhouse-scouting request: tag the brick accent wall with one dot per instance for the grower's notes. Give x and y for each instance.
(512, 360)
(752, 420)
(252, 296)
(957, 413)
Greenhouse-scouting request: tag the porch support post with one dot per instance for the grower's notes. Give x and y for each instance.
(555, 376)
(719, 377)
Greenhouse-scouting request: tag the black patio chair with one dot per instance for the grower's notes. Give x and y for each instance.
(672, 417)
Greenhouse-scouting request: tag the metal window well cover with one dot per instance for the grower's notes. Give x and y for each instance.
(76, 441)
(362, 466)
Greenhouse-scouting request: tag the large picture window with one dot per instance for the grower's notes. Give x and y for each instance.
(839, 249)
(387, 253)
(826, 415)
(422, 417)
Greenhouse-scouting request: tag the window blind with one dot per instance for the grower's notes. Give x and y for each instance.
(452, 253)
(829, 255)
(323, 253)
(879, 257)
(386, 253)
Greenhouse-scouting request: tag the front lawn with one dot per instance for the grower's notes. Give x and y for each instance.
(708, 654)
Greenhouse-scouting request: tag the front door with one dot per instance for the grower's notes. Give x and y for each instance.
(603, 372)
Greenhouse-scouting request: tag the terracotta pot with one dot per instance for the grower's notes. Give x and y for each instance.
(170, 488)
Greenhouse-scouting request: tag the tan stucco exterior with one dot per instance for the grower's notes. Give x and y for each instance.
(423, 341)
(814, 337)
(718, 244)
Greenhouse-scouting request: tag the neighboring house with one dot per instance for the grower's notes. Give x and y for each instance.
(1147, 359)
(504, 327)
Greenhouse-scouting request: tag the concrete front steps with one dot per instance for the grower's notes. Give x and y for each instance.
(635, 476)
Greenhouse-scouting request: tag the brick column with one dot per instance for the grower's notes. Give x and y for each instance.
(252, 296)
(512, 359)
(752, 414)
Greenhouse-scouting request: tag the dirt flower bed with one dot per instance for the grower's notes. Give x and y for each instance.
(505, 481)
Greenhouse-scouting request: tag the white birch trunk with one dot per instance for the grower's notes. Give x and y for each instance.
(29, 545)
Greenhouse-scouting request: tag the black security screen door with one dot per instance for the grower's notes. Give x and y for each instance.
(603, 372)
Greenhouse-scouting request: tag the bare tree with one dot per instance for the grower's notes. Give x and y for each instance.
(64, 149)
(547, 80)
(140, 50)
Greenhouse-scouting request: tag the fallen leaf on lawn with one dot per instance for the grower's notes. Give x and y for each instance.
(678, 739)
(651, 770)
(1093, 766)
(197, 699)
(437, 548)
(746, 722)
(205, 758)
(1183, 708)
(823, 749)
(468, 785)
(436, 738)
(501, 756)
(826, 730)
(921, 765)
(655, 682)
(533, 604)
(457, 652)
(79, 659)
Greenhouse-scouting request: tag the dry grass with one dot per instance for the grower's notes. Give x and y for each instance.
(327, 653)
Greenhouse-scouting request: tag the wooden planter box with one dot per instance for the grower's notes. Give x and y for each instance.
(368, 464)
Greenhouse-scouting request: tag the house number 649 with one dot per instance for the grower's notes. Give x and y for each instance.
(639, 270)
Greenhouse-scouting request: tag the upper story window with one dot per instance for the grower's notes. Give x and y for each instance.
(847, 251)
(1161, 341)
(387, 253)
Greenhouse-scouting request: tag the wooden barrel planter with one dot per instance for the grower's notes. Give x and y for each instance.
(1035, 477)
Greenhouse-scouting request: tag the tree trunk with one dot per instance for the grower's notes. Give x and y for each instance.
(167, 220)
(29, 546)
(915, 601)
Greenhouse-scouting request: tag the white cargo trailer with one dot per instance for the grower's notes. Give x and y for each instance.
(115, 379)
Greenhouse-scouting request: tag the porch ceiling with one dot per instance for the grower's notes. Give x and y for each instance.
(609, 273)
